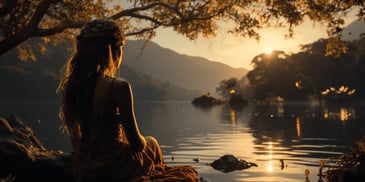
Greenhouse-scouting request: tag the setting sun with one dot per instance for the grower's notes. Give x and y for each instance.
(268, 51)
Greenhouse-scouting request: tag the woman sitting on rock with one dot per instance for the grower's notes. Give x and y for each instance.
(99, 115)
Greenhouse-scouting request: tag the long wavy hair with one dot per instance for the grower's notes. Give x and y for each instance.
(96, 55)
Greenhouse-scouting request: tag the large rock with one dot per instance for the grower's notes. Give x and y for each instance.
(228, 163)
(25, 157)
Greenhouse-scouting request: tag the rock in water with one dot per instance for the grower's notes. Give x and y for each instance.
(228, 163)
(22, 155)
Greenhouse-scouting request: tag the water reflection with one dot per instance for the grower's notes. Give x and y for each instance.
(232, 114)
(270, 167)
(341, 113)
(299, 130)
(283, 139)
(293, 137)
(275, 122)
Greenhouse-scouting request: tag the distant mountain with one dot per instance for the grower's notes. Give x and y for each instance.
(146, 88)
(38, 80)
(193, 73)
(354, 30)
(156, 73)
(30, 80)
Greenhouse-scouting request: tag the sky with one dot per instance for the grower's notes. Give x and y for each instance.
(238, 52)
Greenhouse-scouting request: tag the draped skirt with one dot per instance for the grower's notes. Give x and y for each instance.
(116, 162)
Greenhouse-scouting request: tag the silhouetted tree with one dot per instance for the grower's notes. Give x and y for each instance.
(228, 87)
(272, 76)
(309, 73)
(56, 20)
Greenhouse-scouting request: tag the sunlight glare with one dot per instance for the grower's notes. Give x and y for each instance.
(344, 114)
(270, 167)
(268, 51)
(299, 130)
(232, 114)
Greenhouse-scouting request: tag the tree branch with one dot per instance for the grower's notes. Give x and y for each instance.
(140, 32)
(127, 12)
(7, 7)
(28, 30)
(57, 29)
(39, 13)
(146, 18)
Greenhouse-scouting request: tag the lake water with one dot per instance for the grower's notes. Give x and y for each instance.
(301, 134)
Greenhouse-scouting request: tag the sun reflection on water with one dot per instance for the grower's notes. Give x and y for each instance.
(299, 130)
(270, 165)
(282, 141)
(343, 114)
(232, 114)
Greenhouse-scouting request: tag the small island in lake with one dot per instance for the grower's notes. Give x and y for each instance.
(206, 100)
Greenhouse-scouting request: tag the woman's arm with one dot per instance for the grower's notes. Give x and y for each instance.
(125, 103)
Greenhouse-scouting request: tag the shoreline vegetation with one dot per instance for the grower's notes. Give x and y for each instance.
(238, 101)
(348, 166)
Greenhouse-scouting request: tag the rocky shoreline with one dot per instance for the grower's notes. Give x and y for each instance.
(22, 155)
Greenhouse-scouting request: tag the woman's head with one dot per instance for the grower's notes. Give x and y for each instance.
(99, 47)
(98, 54)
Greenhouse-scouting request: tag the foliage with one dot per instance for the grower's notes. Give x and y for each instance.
(233, 86)
(233, 90)
(349, 166)
(340, 95)
(308, 74)
(58, 20)
(271, 76)
(228, 87)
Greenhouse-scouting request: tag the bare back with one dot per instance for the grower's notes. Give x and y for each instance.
(114, 97)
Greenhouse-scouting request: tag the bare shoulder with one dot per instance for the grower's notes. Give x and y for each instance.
(121, 83)
(121, 88)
